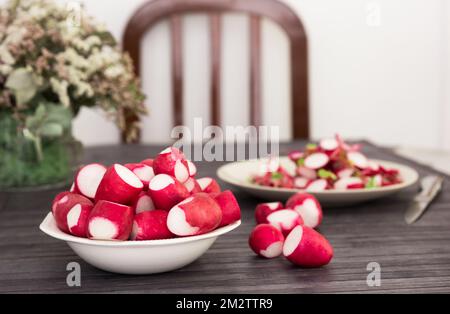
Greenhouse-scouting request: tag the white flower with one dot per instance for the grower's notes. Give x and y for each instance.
(114, 71)
(60, 88)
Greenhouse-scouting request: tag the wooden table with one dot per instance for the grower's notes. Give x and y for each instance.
(412, 258)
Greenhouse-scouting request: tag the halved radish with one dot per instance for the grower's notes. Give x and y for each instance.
(208, 185)
(308, 207)
(148, 162)
(285, 220)
(192, 168)
(265, 209)
(301, 182)
(266, 241)
(192, 186)
(307, 173)
(88, 179)
(143, 172)
(119, 185)
(306, 247)
(63, 204)
(316, 161)
(143, 203)
(348, 183)
(195, 215)
(166, 191)
(110, 221)
(171, 161)
(231, 211)
(374, 166)
(151, 225)
(317, 185)
(329, 144)
(345, 173)
(295, 155)
(358, 159)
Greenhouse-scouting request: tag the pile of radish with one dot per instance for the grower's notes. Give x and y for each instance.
(289, 230)
(330, 164)
(155, 199)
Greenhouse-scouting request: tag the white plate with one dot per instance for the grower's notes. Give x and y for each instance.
(239, 173)
(137, 257)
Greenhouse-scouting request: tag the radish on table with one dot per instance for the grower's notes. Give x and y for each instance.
(308, 207)
(265, 209)
(266, 241)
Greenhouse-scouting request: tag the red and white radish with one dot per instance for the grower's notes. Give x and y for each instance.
(345, 173)
(329, 144)
(316, 161)
(192, 186)
(301, 182)
(195, 215)
(266, 241)
(285, 220)
(171, 161)
(307, 173)
(208, 185)
(88, 179)
(348, 183)
(143, 172)
(119, 185)
(307, 206)
(295, 155)
(151, 225)
(317, 185)
(265, 209)
(143, 203)
(358, 159)
(110, 221)
(231, 211)
(70, 211)
(166, 191)
(306, 247)
(148, 162)
(192, 168)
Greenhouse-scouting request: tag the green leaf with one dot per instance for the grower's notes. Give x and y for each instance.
(325, 174)
(277, 176)
(300, 162)
(60, 115)
(371, 183)
(23, 84)
(311, 146)
(51, 129)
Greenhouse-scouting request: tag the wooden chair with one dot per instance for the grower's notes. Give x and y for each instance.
(153, 11)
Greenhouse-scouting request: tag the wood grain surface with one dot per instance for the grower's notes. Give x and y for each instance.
(413, 258)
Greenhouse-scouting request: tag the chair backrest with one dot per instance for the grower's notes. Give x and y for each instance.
(153, 11)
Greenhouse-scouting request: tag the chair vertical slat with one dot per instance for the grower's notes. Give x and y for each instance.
(255, 70)
(215, 34)
(177, 68)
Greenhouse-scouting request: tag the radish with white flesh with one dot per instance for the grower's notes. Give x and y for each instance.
(208, 185)
(88, 179)
(329, 144)
(195, 215)
(316, 161)
(265, 209)
(151, 225)
(306, 173)
(317, 185)
(308, 207)
(345, 173)
(148, 162)
(285, 220)
(306, 247)
(295, 155)
(70, 211)
(143, 172)
(301, 183)
(192, 168)
(143, 203)
(358, 159)
(171, 161)
(266, 241)
(231, 211)
(110, 221)
(166, 191)
(119, 185)
(192, 186)
(348, 183)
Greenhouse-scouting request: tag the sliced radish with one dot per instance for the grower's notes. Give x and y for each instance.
(171, 161)
(345, 173)
(143, 203)
(151, 225)
(317, 185)
(295, 155)
(148, 162)
(265, 209)
(195, 215)
(316, 161)
(308, 207)
(110, 221)
(329, 144)
(192, 168)
(166, 191)
(66, 203)
(301, 182)
(143, 172)
(307, 173)
(358, 159)
(192, 186)
(231, 211)
(285, 220)
(77, 219)
(348, 183)
(88, 179)
(208, 185)
(119, 185)
(266, 241)
(307, 248)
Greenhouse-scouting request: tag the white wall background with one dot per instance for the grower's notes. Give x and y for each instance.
(378, 69)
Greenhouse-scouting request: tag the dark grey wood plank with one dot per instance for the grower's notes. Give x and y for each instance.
(413, 258)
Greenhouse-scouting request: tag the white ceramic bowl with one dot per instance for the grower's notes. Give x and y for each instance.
(137, 257)
(239, 173)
